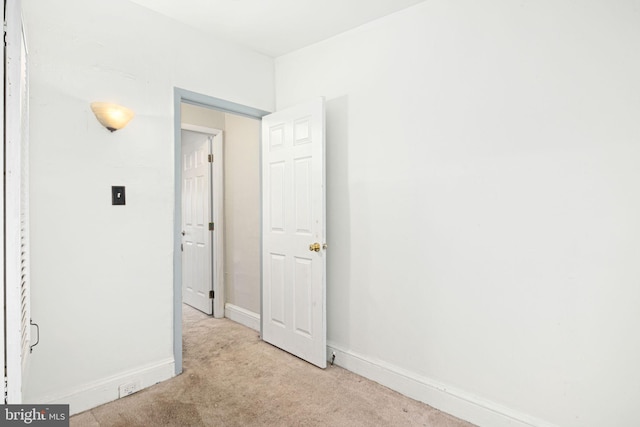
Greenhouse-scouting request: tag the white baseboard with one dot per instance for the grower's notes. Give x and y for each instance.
(458, 403)
(242, 316)
(106, 390)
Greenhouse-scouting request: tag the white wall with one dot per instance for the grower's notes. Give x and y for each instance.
(242, 212)
(102, 275)
(483, 205)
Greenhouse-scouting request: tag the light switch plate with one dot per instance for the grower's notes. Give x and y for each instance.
(117, 195)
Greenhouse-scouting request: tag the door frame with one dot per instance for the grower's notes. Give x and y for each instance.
(181, 96)
(215, 198)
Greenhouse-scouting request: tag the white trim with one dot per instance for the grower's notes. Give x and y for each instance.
(243, 316)
(97, 393)
(217, 212)
(216, 201)
(201, 129)
(456, 402)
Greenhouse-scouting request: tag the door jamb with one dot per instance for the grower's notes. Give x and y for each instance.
(185, 96)
(215, 200)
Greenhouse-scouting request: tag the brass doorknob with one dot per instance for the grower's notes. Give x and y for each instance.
(314, 247)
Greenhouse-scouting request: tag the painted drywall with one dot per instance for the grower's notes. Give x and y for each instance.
(242, 212)
(102, 288)
(200, 116)
(482, 193)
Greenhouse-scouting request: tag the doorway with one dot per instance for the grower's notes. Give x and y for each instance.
(184, 98)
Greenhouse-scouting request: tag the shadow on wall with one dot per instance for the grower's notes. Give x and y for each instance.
(338, 220)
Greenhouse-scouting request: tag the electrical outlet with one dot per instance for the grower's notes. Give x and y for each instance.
(129, 388)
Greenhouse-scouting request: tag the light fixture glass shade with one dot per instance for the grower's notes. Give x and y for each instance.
(112, 116)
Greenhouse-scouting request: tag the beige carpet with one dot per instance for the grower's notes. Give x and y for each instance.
(231, 378)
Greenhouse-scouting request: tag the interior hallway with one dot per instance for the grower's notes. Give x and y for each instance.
(231, 378)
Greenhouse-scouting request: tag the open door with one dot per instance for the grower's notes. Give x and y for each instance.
(197, 241)
(293, 247)
(17, 316)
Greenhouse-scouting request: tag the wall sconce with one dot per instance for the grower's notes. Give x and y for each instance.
(112, 116)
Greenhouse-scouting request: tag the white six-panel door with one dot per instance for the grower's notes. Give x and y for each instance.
(197, 277)
(294, 262)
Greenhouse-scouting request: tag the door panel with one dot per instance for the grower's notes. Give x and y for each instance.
(16, 207)
(293, 305)
(197, 278)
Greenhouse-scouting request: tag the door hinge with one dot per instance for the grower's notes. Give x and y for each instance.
(210, 226)
(210, 158)
(181, 247)
(211, 294)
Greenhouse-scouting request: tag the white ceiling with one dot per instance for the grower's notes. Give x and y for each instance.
(275, 27)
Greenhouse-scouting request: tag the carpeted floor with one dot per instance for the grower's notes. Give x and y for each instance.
(231, 378)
